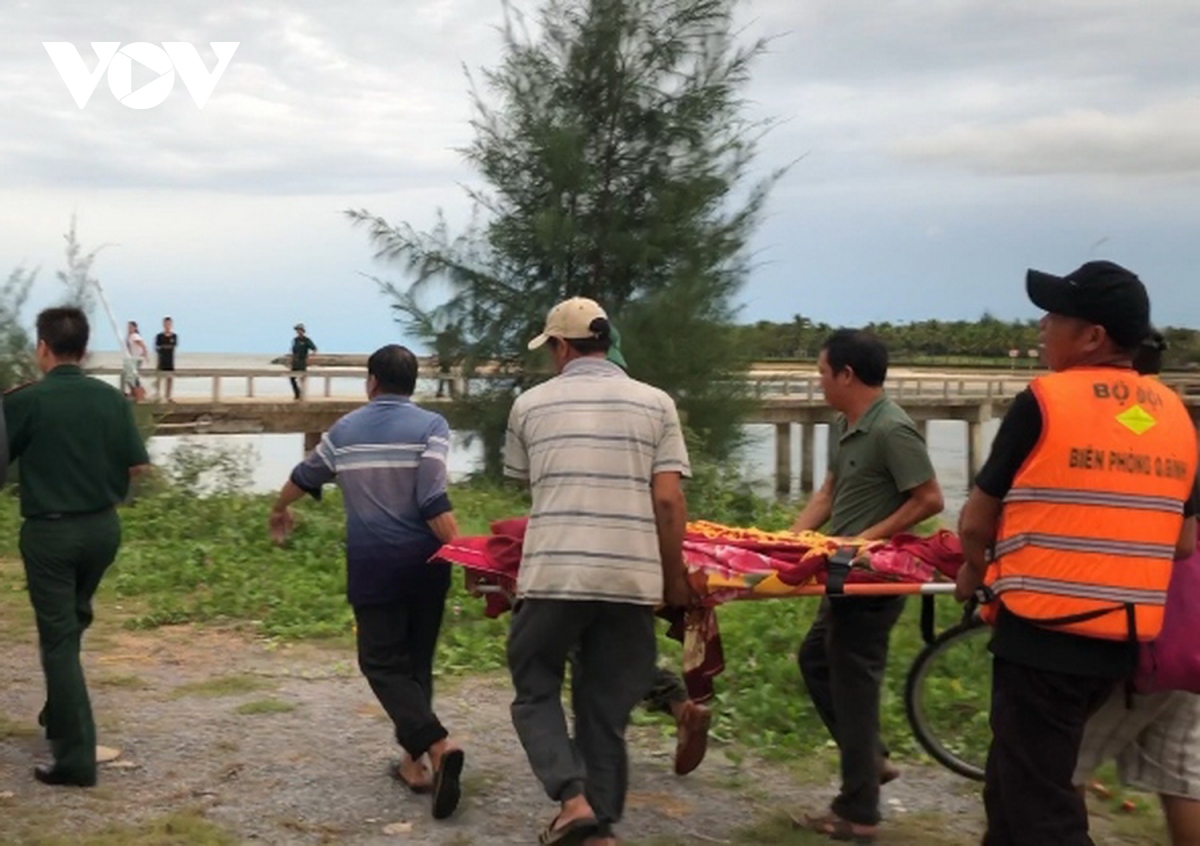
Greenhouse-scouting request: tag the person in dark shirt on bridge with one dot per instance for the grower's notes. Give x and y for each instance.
(164, 345)
(389, 458)
(302, 345)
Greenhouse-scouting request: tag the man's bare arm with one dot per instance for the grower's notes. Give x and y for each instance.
(444, 526)
(817, 510)
(670, 518)
(924, 501)
(977, 526)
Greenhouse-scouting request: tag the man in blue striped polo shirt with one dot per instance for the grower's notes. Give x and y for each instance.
(389, 458)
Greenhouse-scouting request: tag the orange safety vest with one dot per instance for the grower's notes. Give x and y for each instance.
(1088, 531)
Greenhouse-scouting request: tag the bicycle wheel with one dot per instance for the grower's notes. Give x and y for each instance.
(949, 718)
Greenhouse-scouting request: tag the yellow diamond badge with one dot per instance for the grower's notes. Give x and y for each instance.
(1136, 419)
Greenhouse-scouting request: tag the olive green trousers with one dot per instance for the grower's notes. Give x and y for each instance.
(65, 559)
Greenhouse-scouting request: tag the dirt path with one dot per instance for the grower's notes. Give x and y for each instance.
(286, 745)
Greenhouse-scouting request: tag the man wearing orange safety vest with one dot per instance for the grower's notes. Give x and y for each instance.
(1069, 534)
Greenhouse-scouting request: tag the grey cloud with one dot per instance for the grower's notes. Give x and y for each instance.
(1162, 139)
(362, 97)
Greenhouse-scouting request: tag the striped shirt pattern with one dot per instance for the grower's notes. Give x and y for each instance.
(389, 459)
(588, 442)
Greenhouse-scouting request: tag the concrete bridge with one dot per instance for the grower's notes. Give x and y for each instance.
(233, 401)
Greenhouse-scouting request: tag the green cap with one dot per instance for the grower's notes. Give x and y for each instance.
(614, 348)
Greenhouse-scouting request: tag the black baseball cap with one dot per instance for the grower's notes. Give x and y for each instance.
(1099, 292)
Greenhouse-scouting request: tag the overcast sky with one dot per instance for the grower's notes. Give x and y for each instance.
(948, 145)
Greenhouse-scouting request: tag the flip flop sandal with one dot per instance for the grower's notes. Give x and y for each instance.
(447, 785)
(571, 834)
(420, 789)
(839, 829)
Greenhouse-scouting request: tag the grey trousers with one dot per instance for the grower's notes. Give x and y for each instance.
(616, 654)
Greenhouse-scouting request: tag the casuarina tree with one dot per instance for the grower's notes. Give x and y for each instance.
(16, 345)
(617, 163)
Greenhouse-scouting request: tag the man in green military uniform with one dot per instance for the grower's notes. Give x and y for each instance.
(78, 446)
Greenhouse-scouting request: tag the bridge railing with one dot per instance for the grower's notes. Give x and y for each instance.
(343, 383)
(249, 381)
(908, 387)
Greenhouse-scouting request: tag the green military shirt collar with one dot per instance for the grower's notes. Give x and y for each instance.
(65, 370)
(868, 417)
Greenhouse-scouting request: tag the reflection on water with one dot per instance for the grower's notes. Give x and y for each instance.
(277, 454)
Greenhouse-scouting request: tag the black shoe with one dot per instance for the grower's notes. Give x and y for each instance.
(47, 774)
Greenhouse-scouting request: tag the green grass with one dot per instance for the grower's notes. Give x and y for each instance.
(265, 706)
(182, 828)
(209, 559)
(221, 686)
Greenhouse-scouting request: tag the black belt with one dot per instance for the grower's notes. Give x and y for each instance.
(54, 515)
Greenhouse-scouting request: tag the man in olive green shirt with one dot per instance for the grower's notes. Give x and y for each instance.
(880, 482)
(78, 445)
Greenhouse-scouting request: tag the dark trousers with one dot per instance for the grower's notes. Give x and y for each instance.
(616, 661)
(666, 690)
(65, 560)
(295, 385)
(1038, 718)
(396, 643)
(842, 659)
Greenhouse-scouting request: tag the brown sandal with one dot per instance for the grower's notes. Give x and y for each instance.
(837, 828)
(418, 787)
(691, 737)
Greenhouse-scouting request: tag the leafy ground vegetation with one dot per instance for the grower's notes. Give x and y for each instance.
(199, 564)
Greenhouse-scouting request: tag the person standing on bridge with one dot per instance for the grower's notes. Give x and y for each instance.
(165, 343)
(389, 458)
(880, 481)
(302, 345)
(1068, 534)
(78, 446)
(135, 355)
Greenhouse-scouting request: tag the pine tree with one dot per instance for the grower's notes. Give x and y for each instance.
(16, 346)
(618, 164)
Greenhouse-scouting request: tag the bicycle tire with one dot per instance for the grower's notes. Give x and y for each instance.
(914, 699)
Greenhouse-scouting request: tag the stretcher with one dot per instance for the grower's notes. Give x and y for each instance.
(727, 563)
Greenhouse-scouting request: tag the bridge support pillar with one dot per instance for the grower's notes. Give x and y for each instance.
(808, 451)
(311, 439)
(783, 459)
(975, 449)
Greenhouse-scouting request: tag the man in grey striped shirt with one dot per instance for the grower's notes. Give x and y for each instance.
(604, 456)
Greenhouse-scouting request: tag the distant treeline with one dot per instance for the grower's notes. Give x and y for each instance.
(987, 340)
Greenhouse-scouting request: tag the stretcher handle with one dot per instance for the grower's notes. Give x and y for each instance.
(854, 589)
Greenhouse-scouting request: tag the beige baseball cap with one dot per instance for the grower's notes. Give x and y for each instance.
(571, 320)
